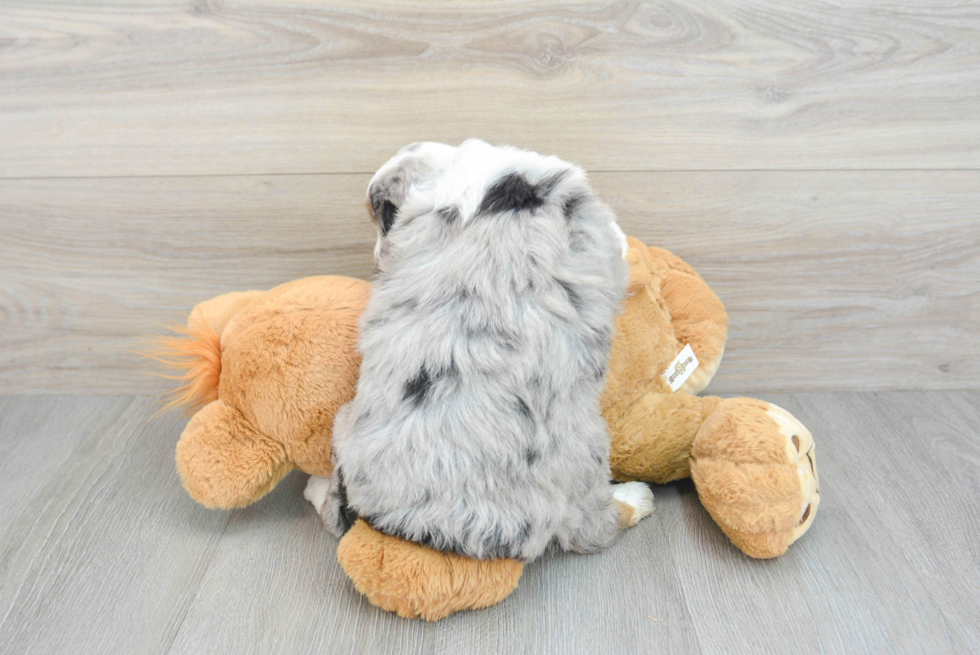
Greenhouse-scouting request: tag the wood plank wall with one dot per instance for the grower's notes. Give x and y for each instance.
(818, 162)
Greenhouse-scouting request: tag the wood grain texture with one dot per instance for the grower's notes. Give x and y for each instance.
(570, 604)
(108, 554)
(88, 266)
(833, 280)
(856, 582)
(168, 87)
(24, 467)
(919, 485)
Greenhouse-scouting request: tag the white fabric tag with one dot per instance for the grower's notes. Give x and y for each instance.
(681, 368)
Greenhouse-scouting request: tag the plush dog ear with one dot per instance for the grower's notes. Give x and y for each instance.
(389, 187)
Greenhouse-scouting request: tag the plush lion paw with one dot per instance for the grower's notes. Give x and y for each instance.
(800, 450)
(755, 470)
(224, 462)
(416, 581)
(634, 500)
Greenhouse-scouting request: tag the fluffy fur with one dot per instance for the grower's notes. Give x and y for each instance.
(196, 353)
(476, 426)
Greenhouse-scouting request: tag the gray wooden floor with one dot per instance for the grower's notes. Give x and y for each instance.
(102, 551)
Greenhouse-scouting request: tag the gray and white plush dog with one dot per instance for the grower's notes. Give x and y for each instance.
(476, 425)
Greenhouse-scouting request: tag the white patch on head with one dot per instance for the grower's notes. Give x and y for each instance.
(436, 155)
(637, 496)
(461, 176)
(479, 165)
(316, 491)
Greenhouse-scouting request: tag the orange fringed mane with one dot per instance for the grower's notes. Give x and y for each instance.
(197, 353)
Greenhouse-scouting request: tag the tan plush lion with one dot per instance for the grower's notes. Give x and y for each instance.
(269, 370)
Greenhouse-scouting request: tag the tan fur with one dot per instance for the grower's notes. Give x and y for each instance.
(288, 361)
(197, 351)
(653, 435)
(418, 582)
(745, 478)
(225, 462)
(291, 361)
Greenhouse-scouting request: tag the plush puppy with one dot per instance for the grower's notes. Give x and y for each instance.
(476, 427)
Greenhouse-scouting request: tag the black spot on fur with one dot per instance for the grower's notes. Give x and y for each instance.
(426, 539)
(388, 212)
(434, 540)
(499, 336)
(361, 418)
(495, 541)
(578, 241)
(523, 408)
(505, 339)
(573, 296)
(550, 407)
(570, 204)
(532, 456)
(494, 544)
(418, 387)
(347, 514)
(410, 304)
(522, 535)
(449, 214)
(512, 192)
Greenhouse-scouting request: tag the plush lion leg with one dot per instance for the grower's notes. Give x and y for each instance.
(418, 582)
(753, 463)
(225, 463)
(754, 466)
(652, 437)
